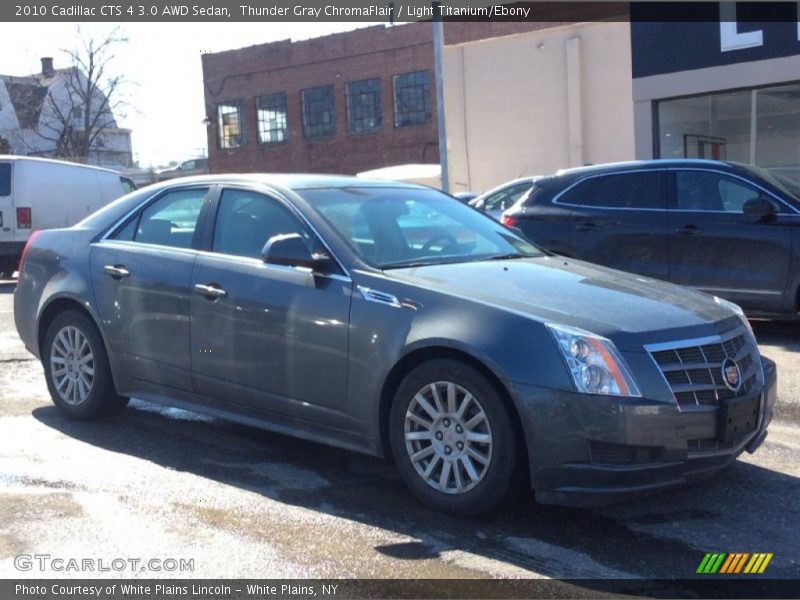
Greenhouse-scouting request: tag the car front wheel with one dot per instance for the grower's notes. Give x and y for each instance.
(452, 438)
(77, 370)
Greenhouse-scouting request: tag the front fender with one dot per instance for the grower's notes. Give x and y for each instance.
(516, 348)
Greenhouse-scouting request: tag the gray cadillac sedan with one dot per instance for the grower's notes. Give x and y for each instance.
(390, 319)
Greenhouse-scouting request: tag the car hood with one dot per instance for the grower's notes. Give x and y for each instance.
(629, 309)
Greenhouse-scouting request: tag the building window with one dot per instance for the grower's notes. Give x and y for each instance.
(231, 124)
(412, 104)
(271, 113)
(756, 126)
(363, 105)
(319, 116)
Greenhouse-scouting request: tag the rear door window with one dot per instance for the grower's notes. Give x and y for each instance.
(641, 190)
(5, 179)
(169, 221)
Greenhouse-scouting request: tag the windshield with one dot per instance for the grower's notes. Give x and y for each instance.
(403, 227)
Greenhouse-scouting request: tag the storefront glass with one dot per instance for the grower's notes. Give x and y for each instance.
(758, 126)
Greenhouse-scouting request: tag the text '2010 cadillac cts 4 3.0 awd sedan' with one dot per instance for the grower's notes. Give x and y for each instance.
(393, 320)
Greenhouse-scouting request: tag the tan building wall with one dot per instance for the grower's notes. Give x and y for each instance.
(536, 102)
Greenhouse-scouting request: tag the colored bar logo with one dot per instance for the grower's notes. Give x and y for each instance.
(735, 563)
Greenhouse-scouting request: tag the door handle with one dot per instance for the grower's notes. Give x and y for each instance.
(210, 291)
(588, 226)
(116, 271)
(688, 230)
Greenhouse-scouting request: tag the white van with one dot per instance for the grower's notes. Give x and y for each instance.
(37, 193)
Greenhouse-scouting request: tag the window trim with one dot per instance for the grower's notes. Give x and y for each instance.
(662, 170)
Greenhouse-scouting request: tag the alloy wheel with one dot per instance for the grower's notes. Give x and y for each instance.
(448, 437)
(72, 365)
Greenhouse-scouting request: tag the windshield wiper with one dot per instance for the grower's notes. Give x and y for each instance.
(508, 256)
(409, 265)
(455, 260)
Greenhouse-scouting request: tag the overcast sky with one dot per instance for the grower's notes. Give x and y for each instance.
(161, 62)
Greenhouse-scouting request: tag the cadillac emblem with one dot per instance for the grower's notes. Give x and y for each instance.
(731, 375)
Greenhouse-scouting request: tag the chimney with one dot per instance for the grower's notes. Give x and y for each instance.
(47, 66)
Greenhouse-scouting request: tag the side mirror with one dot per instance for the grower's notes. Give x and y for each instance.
(289, 249)
(759, 207)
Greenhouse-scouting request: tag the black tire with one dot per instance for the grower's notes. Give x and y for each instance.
(102, 399)
(495, 481)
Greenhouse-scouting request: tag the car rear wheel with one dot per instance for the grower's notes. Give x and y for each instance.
(77, 370)
(452, 438)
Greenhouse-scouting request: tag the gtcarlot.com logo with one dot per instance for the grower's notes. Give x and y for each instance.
(722, 563)
(47, 562)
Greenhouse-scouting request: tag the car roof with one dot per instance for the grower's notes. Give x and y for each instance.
(293, 181)
(659, 163)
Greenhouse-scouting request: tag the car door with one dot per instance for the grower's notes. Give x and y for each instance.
(620, 220)
(141, 274)
(272, 337)
(716, 247)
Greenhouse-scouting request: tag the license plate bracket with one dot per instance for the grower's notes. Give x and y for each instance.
(738, 417)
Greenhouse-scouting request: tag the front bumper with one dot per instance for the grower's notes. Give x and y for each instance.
(596, 450)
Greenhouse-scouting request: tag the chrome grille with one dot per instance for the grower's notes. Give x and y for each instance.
(693, 369)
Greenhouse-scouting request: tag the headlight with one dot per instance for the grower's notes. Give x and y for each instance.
(594, 363)
(738, 310)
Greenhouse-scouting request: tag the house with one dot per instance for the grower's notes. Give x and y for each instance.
(43, 114)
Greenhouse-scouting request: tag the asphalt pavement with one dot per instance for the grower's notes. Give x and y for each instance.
(160, 483)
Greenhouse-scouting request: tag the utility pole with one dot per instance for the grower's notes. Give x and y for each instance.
(438, 44)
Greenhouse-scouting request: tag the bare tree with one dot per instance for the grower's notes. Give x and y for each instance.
(83, 107)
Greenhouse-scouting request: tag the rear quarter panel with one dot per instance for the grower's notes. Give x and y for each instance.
(56, 267)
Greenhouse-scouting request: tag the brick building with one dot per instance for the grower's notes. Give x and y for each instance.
(342, 103)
